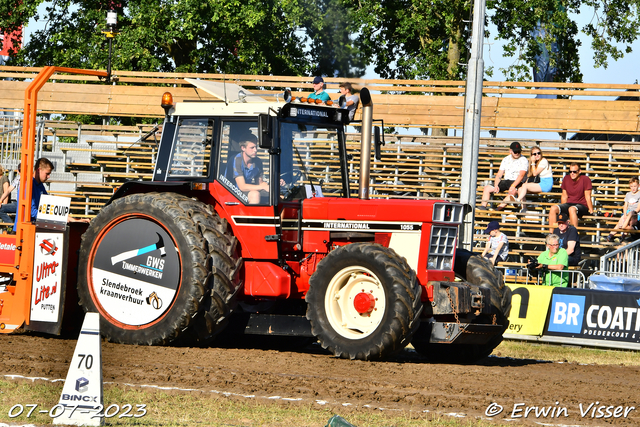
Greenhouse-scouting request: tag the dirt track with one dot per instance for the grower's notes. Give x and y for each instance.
(406, 382)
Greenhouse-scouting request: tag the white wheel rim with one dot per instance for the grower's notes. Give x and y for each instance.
(339, 302)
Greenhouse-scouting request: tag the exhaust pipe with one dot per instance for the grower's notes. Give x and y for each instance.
(365, 143)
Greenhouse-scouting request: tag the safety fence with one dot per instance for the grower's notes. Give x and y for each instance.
(583, 317)
(622, 262)
(545, 277)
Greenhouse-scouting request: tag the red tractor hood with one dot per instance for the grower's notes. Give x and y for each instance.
(368, 210)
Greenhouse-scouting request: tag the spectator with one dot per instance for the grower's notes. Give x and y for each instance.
(43, 169)
(554, 258)
(318, 90)
(497, 248)
(513, 168)
(576, 197)
(539, 177)
(630, 211)
(7, 206)
(248, 170)
(4, 181)
(569, 239)
(352, 100)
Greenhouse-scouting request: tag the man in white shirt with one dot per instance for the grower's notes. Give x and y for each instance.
(513, 169)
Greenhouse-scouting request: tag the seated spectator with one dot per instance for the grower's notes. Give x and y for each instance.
(6, 205)
(513, 168)
(497, 248)
(576, 197)
(352, 100)
(554, 258)
(630, 211)
(569, 239)
(43, 169)
(318, 90)
(539, 177)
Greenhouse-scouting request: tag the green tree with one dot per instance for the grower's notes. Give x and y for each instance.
(328, 26)
(204, 36)
(428, 39)
(214, 36)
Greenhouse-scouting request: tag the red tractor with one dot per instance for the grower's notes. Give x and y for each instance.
(252, 225)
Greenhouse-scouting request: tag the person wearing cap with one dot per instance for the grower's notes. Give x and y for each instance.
(318, 90)
(569, 239)
(554, 258)
(497, 247)
(576, 197)
(513, 169)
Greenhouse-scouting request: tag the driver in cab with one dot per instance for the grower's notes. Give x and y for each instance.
(248, 171)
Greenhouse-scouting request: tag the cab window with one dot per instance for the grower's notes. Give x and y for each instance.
(244, 167)
(191, 149)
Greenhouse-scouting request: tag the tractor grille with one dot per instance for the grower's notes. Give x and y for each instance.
(442, 247)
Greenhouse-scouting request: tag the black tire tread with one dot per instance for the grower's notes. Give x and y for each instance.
(480, 272)
(171, 326)
(405, 308)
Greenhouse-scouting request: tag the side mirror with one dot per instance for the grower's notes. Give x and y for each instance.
(378, 142)
(264, 131)
(342, 101)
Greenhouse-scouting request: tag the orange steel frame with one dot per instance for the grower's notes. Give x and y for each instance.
(15, 302)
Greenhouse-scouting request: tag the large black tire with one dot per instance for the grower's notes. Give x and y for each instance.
(157, 267)
(477, 271)
(353, 272)
(225, 262)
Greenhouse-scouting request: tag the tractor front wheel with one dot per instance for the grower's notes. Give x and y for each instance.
(363, 302)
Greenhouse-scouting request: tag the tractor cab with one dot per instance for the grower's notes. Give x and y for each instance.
(264, 155)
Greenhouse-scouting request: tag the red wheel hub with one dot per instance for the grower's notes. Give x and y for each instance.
(364, 303)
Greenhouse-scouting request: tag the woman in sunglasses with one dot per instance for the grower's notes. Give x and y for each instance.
(539, 178)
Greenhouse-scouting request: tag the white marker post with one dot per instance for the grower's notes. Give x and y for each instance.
(82, 396)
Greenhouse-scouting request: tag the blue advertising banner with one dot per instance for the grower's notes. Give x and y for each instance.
(591, 314)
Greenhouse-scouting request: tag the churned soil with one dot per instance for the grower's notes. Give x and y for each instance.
(405, 383)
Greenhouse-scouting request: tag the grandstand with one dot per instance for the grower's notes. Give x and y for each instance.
(92, 160)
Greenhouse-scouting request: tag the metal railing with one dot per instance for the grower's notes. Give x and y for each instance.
(11, 140)
(623, 262)
(520, 275)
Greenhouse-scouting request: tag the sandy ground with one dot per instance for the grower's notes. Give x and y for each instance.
(406, 382)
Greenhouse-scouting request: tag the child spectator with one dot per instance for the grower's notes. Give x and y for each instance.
(630, 210)
(352, 100)
(497, 248)
(539, 177)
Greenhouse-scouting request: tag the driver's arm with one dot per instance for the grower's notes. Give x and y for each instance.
(243, 186)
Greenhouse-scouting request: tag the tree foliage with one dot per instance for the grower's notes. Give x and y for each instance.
(332, 50)
(203, 36)
(429, 38)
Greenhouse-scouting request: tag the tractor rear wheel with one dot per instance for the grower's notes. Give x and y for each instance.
(363, 302)
(477, 271)
(149, 267)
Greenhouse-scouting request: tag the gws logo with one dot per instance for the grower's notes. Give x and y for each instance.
(155, 263)
(567, 312)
